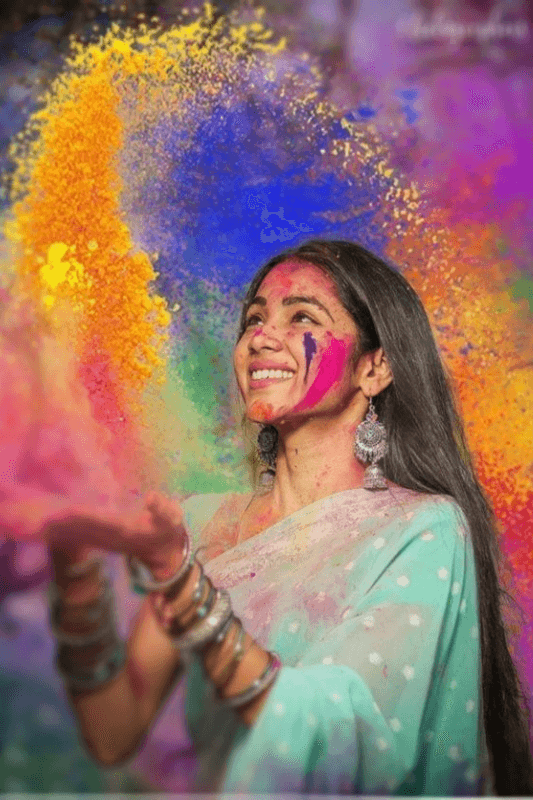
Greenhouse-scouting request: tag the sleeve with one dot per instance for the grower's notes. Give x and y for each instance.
(353, 716)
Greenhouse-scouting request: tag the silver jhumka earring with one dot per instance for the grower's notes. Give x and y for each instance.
(267, 450)
(371, 445)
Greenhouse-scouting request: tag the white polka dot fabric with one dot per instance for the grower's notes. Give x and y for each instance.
(370, 601)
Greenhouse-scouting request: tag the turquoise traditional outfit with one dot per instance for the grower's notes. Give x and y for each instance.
(369, 598)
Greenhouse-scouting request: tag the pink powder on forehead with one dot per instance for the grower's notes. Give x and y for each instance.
(288, 268)
(283, 273)
(330, 372)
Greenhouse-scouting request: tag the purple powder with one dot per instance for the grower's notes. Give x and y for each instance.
(310, 350)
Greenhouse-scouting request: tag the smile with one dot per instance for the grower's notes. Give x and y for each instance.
(263, 374)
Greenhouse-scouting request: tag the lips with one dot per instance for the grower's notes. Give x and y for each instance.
(261, 365)
(262, 373)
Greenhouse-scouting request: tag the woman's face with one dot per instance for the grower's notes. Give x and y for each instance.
(296, 355)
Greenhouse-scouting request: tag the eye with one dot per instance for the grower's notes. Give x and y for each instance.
(253, 319)
(303, 316)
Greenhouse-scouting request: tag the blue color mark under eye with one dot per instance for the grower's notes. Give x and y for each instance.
(310, 350)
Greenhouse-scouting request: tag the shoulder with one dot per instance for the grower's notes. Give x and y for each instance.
(213, 520)
(416, 514)
(420, 550)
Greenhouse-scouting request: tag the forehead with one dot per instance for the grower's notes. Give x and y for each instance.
(298, 277)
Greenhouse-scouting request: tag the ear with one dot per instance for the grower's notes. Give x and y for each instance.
(372, 372)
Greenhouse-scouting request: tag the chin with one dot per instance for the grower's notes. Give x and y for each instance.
(261, 411)
(266, 413)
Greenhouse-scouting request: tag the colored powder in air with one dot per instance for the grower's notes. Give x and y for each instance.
(53, 453)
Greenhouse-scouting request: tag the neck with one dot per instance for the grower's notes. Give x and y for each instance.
(314, 461)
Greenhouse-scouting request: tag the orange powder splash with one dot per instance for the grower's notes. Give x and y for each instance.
(486, 340)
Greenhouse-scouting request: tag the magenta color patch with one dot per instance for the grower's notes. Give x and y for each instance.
(330, 371)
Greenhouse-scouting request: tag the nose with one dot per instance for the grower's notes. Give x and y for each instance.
(265, 337)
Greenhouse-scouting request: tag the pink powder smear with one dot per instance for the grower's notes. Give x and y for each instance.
(330, 371)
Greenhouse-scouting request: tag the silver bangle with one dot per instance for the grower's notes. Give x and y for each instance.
(102, 605)
(208, 628)
(203, 610)
(143, 581)
(231, 667)
(98, 675)
(197, 591)
(258, 686)
(223, 632)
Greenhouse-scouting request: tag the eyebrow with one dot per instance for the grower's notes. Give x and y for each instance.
(291, 301)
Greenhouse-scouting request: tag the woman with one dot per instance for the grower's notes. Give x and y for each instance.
(365, 652)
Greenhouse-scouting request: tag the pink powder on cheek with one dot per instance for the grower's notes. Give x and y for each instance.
(330, 371)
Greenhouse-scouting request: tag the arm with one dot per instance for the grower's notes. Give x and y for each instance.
(114, 718)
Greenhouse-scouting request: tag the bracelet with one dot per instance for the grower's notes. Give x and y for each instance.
(238, 654)
(258, 686)
(175, 627)
(197, 591)
(221, 635)
(92, 678)
(101, 612)
(91, 609)
(142, 580)
(202, 633)
(159, 600)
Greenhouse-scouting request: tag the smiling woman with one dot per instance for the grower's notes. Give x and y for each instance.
(355, 643)
(296, 344)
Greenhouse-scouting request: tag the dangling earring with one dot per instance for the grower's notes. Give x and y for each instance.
(267, 449)
(371, 445)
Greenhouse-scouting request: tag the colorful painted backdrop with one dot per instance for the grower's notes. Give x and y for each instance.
(162, 166)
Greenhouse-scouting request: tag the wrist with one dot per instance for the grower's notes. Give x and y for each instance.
(176, 609)
(252, 665)
(163, 564)
(64, 559)
(78, 580)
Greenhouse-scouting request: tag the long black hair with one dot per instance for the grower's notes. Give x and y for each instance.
(428, 453)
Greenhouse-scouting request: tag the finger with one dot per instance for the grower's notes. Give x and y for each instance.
(166, 511)
(152, 499)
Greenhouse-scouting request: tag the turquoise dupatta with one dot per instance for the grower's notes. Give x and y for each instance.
(370, 600)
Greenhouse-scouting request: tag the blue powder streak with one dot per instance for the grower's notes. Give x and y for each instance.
(310, 350)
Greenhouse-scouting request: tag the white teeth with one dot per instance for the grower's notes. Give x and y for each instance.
(262, 374)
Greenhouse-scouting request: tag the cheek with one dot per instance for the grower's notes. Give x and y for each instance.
(239, 362)
(331, 369)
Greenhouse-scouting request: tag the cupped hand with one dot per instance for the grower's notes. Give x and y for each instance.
(153, 535)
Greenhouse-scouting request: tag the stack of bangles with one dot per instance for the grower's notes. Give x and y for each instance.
(91, 653)
(212, 621)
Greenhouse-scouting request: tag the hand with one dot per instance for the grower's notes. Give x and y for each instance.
(156, 536)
